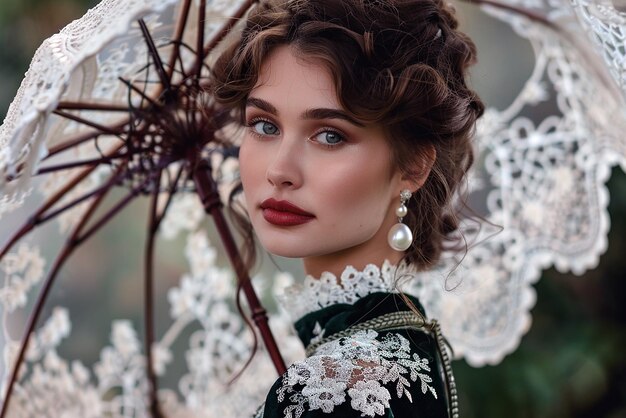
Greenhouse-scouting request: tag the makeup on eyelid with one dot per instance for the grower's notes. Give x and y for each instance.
(258, 126)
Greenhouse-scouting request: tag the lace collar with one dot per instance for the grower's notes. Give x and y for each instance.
(314, 294)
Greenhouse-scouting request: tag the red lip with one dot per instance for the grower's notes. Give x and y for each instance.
(284, 213)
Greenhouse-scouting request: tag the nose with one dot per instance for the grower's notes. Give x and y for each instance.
(284, 169)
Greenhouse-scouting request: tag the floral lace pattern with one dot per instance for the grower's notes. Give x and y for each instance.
(317, 293)
(355, 368)
(218, 345)
(542, 181)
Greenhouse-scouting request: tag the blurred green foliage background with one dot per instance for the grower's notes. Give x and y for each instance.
(570, 364)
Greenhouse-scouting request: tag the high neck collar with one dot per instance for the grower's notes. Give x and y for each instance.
(327, 290)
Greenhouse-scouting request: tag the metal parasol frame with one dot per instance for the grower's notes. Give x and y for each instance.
(153, 136)
(478, 345)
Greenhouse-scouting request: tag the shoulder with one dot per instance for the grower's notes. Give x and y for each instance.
(366, 374)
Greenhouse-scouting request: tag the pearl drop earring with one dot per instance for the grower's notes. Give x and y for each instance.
(400, 236)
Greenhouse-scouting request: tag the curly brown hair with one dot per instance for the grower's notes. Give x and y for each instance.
(399, 63)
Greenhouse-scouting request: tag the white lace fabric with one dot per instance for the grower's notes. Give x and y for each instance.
(355, 369)
(351, 285)
(542, 181)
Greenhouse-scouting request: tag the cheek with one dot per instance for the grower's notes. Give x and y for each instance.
(359, 191)
(251, 164)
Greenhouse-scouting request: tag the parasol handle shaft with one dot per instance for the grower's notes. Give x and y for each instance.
(209, 195)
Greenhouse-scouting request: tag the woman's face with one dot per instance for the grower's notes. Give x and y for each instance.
(318, 183)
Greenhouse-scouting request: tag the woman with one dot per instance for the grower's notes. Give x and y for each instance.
(358, 123)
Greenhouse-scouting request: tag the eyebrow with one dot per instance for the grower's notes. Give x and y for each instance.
(319, 113)
(330, 114)
(261, 104)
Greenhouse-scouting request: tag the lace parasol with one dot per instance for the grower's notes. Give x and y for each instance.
(539, 180)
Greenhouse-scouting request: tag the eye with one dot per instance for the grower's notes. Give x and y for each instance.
(329, 138)
(263, 127)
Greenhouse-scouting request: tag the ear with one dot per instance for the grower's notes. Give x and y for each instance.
(420, 170)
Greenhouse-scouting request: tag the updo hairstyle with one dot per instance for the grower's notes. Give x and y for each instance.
(398, 63)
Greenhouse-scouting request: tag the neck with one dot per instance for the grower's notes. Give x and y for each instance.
(337, 262)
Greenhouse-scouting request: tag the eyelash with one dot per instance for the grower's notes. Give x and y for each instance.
(250, 125)
(333, 131)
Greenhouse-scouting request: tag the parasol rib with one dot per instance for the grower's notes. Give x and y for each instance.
(139, 91)
(180, 29)
(91, 106)
(112, 212)
(101, 128)
(172, 191)
(34, 220)
(228, 26)
(70, 245)
(153, 227)
(200, 42)
(165, 81)
(591, 61)
(518, 10)
(178, 61)
(75, 202)
(78, 164)
(80, 139)
(182, 69)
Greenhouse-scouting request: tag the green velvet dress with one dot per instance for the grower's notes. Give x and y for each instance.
(368, 354)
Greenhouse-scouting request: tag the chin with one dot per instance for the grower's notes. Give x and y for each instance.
(306, 242)
(287, 243)
(284, 251)
(288, 248)
(304, 249)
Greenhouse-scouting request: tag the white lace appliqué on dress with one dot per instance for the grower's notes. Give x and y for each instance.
(355, 367)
